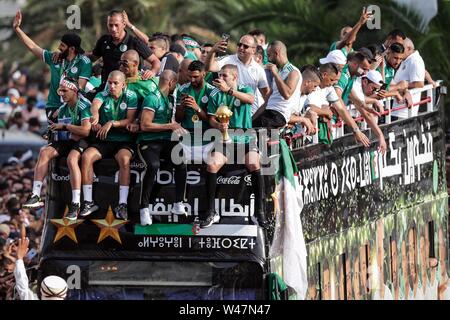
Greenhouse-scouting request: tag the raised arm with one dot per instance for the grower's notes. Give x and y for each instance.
(351, 36)
(30, 44)
(141, 35)
(210, 62)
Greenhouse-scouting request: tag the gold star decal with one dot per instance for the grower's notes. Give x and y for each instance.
(109, 227)
(66, 227)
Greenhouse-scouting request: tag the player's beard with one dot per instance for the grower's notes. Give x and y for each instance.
(64, 54)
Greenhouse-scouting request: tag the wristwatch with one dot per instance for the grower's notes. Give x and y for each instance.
(355, 130)
(64, 127)
(132, 28)
(230, 92)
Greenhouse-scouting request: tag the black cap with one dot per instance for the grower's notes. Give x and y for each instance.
(367, 53)
(73, 40)
(178, 49)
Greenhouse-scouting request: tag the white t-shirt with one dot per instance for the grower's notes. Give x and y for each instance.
(358, 92)
(411, 69)
(277, 102)
(320, 97)
(251, 75)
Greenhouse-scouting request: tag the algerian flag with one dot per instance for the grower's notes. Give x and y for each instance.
(288, 241)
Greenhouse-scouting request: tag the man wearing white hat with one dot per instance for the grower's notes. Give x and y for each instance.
(52, 287)
(363, 87)
(337, 57)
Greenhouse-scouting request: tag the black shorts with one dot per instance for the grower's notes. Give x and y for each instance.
(269, 119)
(108, 149)
(235, 152)
(65, 146)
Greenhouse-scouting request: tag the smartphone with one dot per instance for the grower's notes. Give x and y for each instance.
(383, 86)
(31, 254)
(225, 37)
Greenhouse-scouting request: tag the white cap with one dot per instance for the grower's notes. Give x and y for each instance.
(335, 56)
(375, 77)
(53, 288)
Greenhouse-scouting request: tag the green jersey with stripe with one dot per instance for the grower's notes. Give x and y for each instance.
(79, 67)
(343, 49)
(201, 97)
(116, 110)
(73, 115)
(163, 108)
(242, 112)
(389, 73)
(142, 88)
(345, 83)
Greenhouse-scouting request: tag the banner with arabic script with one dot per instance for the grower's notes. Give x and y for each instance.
(346, 185)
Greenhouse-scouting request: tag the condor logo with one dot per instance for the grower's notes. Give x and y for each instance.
(163, 177)
(55, 177)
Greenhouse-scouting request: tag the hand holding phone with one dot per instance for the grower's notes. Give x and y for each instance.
(225, 37)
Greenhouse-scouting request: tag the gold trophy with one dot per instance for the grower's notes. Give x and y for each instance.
(223, 114)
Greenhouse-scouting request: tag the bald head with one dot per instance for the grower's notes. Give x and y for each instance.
(279, 46)
(167, 76)
(344, 31)
(131, 55)
(185, 64)
(117, 75)
(183, 71)
(409, 47)
(168, 81)
(249, 39)
(408, 44)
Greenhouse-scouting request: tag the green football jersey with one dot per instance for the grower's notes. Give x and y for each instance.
(116, 110)
(142, 88)
(345, 83)
(75, 116)
(79, 67)
(163, 107)
(201, 97)
(242, 112)
(389, 73)
(343, 49)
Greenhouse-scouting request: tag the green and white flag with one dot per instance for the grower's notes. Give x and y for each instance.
(288, 241)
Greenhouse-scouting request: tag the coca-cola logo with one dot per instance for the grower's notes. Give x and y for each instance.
(229, 180)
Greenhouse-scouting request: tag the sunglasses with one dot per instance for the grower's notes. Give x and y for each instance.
(245, 46)
(123, 63)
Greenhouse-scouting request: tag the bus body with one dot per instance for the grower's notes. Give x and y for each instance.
(372, 223)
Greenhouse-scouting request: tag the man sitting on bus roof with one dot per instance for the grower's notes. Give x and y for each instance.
(113, 110)
(154, 143)
(73, 125)
(239, 99)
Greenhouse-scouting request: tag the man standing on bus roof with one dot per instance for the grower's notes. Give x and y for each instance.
(154, 143)
(113, 110)
(72, 126)
(239, 99)
(285, 89)
(73, 63)
(111, 46)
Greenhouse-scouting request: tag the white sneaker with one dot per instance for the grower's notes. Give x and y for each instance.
(179, 209)
(146, 218)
